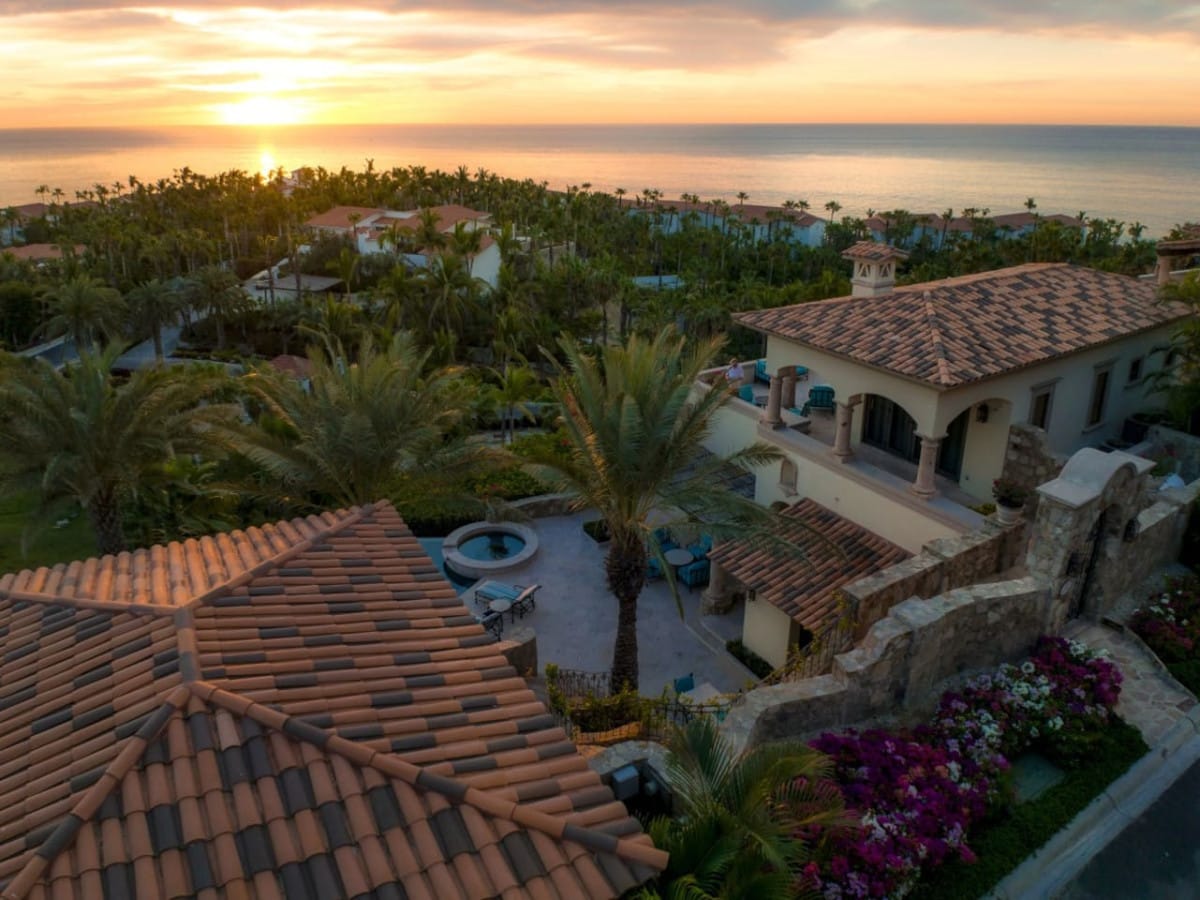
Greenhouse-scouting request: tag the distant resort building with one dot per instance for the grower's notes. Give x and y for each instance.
(396, 231)
(40, 253)
(912, 228)
(795, 225)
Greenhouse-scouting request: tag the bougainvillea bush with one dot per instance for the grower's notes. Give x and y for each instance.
(1170, 626)
(920, 793)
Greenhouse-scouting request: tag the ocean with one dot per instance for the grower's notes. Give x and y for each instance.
(1148, 175)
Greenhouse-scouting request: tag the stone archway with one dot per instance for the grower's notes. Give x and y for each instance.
(1082, 517)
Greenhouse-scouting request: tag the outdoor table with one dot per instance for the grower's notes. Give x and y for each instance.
(678, 557)
(500, 606)
(704, 693)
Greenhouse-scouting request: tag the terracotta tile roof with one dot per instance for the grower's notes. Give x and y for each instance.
(961, 330)
(339, 217)
(39, 251)
(873, 251)
(300, 710)
(836, 552)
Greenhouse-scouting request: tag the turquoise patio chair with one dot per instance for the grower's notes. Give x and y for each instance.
(820, 396)
(760, 371)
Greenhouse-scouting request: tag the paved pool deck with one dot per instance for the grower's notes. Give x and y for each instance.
(576, 617)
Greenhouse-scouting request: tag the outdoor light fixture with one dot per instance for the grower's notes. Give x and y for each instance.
(751, 594)
(981, 413)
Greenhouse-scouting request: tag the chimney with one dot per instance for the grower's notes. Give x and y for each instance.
(874, 268)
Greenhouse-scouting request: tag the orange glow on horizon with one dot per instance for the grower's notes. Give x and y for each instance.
(262, 110)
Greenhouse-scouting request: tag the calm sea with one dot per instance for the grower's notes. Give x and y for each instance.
(1151, 175)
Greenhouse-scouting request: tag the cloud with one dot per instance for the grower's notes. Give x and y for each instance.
(813, 16)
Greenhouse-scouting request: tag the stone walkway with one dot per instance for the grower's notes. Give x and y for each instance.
(1151, 699)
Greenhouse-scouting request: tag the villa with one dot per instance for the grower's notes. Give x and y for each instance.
(374, 231)
(304, 709)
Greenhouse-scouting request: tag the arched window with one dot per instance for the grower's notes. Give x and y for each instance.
(787, 477)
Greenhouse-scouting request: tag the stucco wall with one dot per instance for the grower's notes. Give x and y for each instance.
(902, 665)
(983, 456)
(767, 630)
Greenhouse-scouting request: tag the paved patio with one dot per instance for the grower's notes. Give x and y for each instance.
(576, 617)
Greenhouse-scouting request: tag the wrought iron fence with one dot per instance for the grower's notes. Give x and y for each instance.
(589, 711)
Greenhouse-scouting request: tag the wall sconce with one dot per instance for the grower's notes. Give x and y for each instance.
(751, 594)
(981, 413)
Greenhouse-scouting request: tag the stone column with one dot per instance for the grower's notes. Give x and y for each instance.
(717, 598)
(772, 417)
(1164, 269)
(789, 389)
(925, 487)
(843, 420)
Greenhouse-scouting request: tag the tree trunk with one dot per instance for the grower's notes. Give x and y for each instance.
(625, 571)
(105, 517)
(158, 343)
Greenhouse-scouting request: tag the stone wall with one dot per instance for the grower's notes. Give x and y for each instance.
(1101, 528)
(942, 565)
(1029, 461)
(544, 505)
(1182, 447)
(906, 660)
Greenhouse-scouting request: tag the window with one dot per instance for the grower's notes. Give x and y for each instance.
(787, 477)
(1099, 397)
(1135, 370)
(1039, 407)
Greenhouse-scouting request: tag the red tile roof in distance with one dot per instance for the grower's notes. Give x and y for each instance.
(301, 710)
(962, 330)
(835, 552)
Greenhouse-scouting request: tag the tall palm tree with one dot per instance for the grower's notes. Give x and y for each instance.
(78, 434)
(635, 433)
(84, 308)
(155, 305)
(740, 818)
(217, 293)
(515, 386)
(359, 423)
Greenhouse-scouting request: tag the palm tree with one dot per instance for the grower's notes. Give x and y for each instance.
(217, 293)
(740, 818)
(84, 308)
(833, 206)
(154, 305)
(359, 423)
(635, 434)
(78, 434)
(515, 386)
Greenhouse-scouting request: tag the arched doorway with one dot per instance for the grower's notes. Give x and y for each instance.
(887, 426)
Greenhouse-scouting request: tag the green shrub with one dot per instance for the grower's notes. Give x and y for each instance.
(749, 658)
(1187, 673)
(1004, 843)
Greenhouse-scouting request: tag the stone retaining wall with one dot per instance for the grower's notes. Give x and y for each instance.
(906, 660)
(544, 505)
(1029, 461)
(942, 565)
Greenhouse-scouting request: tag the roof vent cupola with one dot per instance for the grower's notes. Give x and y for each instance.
(874, 268)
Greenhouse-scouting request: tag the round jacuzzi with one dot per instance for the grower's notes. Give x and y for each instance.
(482, 549)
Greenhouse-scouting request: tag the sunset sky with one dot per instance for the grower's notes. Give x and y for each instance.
(87, 62)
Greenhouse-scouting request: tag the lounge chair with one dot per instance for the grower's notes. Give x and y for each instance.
(490, 591)
(761, 373)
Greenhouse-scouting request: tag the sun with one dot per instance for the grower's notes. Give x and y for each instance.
(263, 109)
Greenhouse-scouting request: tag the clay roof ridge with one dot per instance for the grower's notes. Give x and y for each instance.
(85, 602)
(454, 790)
(355, 515)
(64, 834)
(944, 375)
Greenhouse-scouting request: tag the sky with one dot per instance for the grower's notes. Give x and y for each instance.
(92, 63)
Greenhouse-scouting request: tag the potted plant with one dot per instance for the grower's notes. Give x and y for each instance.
(1010, 499)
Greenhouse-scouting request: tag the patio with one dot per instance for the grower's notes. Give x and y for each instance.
(576, 617)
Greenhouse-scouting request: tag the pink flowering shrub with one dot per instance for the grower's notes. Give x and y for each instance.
(1170, 624)
(920, 794)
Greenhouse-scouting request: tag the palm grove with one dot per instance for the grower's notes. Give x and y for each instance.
(407, 365)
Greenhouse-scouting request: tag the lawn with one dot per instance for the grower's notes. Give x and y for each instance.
(47, 546)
